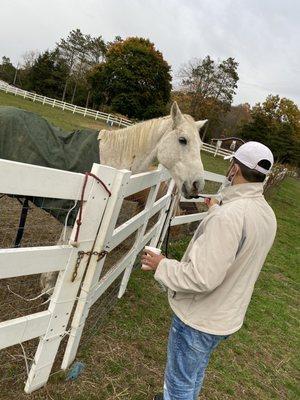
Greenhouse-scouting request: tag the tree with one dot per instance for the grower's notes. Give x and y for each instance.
(134, 80)
(231, 122)
(29, 58)
(7, 70)
(80, 52)
(276, 123)
(48, 74)
(210, 87)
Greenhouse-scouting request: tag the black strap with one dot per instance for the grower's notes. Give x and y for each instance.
(22, 223)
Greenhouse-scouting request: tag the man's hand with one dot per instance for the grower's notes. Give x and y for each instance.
(151, 259)
(210, 201)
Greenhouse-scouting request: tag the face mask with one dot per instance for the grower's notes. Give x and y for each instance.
(229, 178)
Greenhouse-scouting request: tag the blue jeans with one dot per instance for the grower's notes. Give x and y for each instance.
(189, 351)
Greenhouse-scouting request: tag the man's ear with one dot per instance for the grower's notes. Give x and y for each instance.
(176, 115)
(236, 170)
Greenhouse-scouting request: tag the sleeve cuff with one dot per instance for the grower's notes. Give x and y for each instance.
(161, 270)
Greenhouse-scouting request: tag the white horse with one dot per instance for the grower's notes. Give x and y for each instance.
(174, 141)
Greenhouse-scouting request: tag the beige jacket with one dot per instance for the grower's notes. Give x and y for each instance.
(210, 289)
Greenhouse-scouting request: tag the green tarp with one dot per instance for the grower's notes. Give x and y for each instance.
(27, 137)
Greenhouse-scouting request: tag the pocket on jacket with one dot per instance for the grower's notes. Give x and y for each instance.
(182, 295)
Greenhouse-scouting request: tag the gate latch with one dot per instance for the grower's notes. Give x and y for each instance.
(80, 256)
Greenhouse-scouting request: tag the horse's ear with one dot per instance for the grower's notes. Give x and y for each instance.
(202, 126)
(201, 123)
(176, 114)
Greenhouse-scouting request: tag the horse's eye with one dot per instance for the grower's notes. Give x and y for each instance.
(182, 140)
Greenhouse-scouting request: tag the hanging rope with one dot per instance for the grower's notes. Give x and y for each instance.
(79, 220)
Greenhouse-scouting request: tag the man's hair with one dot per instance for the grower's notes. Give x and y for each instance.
(251, 175)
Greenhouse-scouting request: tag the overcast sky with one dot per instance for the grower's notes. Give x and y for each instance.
(262, 35)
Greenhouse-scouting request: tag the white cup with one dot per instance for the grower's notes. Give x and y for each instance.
(154, 250)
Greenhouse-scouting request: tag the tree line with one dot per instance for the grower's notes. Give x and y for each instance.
(130, 76)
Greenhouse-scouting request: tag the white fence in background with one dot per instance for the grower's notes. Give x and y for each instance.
(110, 119)
(216, 151)
(98, 236)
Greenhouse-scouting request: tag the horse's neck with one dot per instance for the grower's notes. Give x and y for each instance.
(146, 152)
(135, 147)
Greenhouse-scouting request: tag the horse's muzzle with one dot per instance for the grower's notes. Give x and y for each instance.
(192, 191)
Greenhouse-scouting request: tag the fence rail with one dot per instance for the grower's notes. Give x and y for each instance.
(110, 119)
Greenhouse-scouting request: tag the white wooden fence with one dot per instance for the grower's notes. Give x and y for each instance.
(98, 236)
(50, 325)
(99, 210)
(110, 119)
(216, 151)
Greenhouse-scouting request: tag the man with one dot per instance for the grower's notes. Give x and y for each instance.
(210, 289)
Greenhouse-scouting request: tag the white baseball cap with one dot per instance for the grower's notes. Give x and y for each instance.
(251, 153)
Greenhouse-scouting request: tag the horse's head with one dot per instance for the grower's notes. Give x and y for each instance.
(179, 152)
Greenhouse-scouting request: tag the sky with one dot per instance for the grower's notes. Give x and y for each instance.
(262, 35)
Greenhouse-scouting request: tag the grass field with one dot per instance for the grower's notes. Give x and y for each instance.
(64, 119)
(125, 358)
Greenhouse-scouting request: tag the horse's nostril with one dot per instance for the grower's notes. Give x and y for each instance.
(196, 185)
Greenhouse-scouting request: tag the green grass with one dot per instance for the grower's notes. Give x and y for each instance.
(65, 119)
(125, 358)
(214, 164)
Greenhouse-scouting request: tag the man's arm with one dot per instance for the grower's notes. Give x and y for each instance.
(210, 257)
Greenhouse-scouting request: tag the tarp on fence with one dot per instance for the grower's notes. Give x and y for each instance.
(29, 138)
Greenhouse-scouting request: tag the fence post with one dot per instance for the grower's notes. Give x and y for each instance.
(141, 231)
(53, 104)
(97, 113)
(94, 270)
(74, 109)
(66, 289)
(34, 97)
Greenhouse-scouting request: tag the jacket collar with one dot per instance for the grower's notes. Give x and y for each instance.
(235, 192)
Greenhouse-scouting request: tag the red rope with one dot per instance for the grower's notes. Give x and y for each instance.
(79, 220)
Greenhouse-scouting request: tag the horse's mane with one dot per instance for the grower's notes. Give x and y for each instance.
(133, 139)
